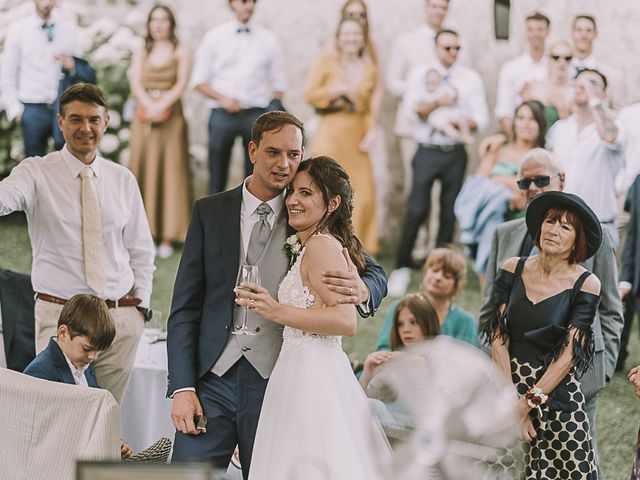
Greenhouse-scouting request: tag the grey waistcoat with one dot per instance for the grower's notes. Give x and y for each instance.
(262, 349)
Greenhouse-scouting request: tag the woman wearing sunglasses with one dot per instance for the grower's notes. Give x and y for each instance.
(555, 91)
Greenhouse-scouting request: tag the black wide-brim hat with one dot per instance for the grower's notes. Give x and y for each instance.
(540, 205)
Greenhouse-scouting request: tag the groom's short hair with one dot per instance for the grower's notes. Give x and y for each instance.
(276, 120)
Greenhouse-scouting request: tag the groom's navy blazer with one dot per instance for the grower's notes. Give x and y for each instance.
(203, 297)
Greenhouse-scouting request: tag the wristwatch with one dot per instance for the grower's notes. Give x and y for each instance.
(147, 313)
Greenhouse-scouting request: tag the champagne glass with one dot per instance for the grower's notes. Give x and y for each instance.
(247, 273)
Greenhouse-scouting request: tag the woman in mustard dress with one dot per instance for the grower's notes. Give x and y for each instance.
(159, 149)
(339, 86)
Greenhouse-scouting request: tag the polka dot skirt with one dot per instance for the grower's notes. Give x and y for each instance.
(562, 448)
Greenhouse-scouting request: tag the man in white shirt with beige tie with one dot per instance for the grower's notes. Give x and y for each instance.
(89, 232)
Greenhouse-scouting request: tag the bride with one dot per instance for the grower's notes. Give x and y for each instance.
(315, 422)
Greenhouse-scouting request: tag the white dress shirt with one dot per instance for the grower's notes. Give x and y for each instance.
(513, 75)
(78, 373)
(410, 50)
(48, 190)
(249, 216)
(590, 163)
(629, 119)
(247, 66)
(29, 73)
(469, 88)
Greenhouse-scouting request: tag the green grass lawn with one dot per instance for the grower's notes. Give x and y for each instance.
(618, 409)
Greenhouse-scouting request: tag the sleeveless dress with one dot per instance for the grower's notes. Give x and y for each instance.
(315, 421)
(537, 334)
(338, 135)
(160, 160)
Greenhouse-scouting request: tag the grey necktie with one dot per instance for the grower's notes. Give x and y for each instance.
(259, 234)
(92, 233)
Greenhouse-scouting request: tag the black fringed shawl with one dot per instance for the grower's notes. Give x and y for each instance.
(539, 332)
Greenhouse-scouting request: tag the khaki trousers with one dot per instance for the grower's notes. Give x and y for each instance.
(114, 365)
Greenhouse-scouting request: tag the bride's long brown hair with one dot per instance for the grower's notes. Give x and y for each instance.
(332, 180)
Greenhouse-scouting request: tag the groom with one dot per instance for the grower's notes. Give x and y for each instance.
(212, 372)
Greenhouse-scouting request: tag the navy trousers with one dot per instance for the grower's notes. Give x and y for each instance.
(430, 163)
(39, 122)
(224, 127)
(232, 406)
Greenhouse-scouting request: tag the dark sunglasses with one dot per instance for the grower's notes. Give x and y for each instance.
(456, 48)
(540, 181)
(566, 58)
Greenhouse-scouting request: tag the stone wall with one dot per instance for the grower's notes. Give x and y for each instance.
(305, 26)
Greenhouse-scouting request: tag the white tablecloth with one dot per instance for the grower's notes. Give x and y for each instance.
(145, 414)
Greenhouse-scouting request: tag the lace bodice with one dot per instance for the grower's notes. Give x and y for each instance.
(293, 292)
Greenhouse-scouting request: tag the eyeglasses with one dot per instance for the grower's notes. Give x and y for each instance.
(454, 48)
(566, 58)
(540, 181)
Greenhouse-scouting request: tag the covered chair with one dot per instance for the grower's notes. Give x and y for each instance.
(47, 426)
(18, 319)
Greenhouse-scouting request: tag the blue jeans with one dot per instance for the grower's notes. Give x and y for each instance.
(39, 122)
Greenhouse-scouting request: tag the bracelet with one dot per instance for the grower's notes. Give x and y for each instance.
(535, 397)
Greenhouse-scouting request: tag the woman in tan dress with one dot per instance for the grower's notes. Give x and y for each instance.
(339, 86)
(159, 149)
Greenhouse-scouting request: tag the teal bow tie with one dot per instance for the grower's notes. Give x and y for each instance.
(48, 27)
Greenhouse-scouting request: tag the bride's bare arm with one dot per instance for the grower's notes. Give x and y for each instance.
(322, 253)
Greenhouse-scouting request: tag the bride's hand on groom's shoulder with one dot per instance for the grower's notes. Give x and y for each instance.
(347, 283)
(258, 300)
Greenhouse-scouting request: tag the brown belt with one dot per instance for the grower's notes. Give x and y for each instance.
(127, 301)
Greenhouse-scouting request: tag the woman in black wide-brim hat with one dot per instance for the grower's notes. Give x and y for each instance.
(541, 337)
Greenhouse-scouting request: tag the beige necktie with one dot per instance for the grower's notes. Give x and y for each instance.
(92, 233)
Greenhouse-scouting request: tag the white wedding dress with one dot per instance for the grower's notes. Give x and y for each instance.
(315, 421)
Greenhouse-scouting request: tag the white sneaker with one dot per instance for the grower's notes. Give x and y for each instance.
(164, 251)
(399, 282)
